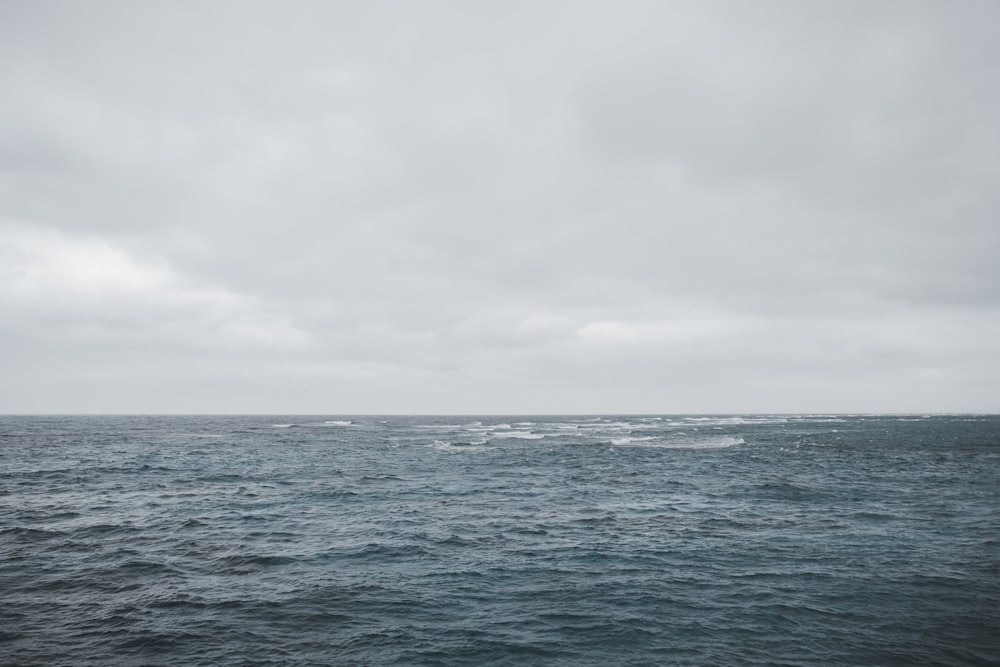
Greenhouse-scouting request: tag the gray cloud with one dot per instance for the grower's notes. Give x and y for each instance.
(499, 207)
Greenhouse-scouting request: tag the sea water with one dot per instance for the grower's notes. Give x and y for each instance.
(617, 540)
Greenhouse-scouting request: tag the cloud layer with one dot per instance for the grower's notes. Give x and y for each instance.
(499, 207)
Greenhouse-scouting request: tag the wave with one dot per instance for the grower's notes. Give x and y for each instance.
(720, 442)
(736, 420)
(338, 422)
(473, 446)
(620, 442)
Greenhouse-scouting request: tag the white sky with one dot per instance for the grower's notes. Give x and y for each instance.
(499, 207)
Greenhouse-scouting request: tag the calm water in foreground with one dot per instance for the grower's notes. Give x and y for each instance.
(779, 540)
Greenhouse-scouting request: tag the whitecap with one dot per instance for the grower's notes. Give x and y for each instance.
(720, 442)
(620, 442)
(338, 422)
(444, 445)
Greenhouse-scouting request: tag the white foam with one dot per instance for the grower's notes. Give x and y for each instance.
(282, 425)
(522, 436)
(621, 442)
(720, 442)
(338, 422)
(445, 446)
(735, 421)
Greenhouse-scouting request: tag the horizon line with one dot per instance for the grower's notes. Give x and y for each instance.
(493, 414)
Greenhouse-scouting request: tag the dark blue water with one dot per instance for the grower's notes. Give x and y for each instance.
(502, 541)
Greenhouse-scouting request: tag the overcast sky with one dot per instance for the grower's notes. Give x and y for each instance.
(499, 207)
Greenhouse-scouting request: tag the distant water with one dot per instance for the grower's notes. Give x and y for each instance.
(779, 540)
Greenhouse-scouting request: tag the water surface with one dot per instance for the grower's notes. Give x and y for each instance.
(624, 540)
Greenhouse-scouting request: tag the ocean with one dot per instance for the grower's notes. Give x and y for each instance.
(516, 540)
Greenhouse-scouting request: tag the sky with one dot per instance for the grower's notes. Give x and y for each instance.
(499, 207)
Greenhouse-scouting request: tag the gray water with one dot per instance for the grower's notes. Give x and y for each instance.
(635, 540)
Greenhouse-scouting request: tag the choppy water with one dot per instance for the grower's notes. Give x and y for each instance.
(791, 540)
